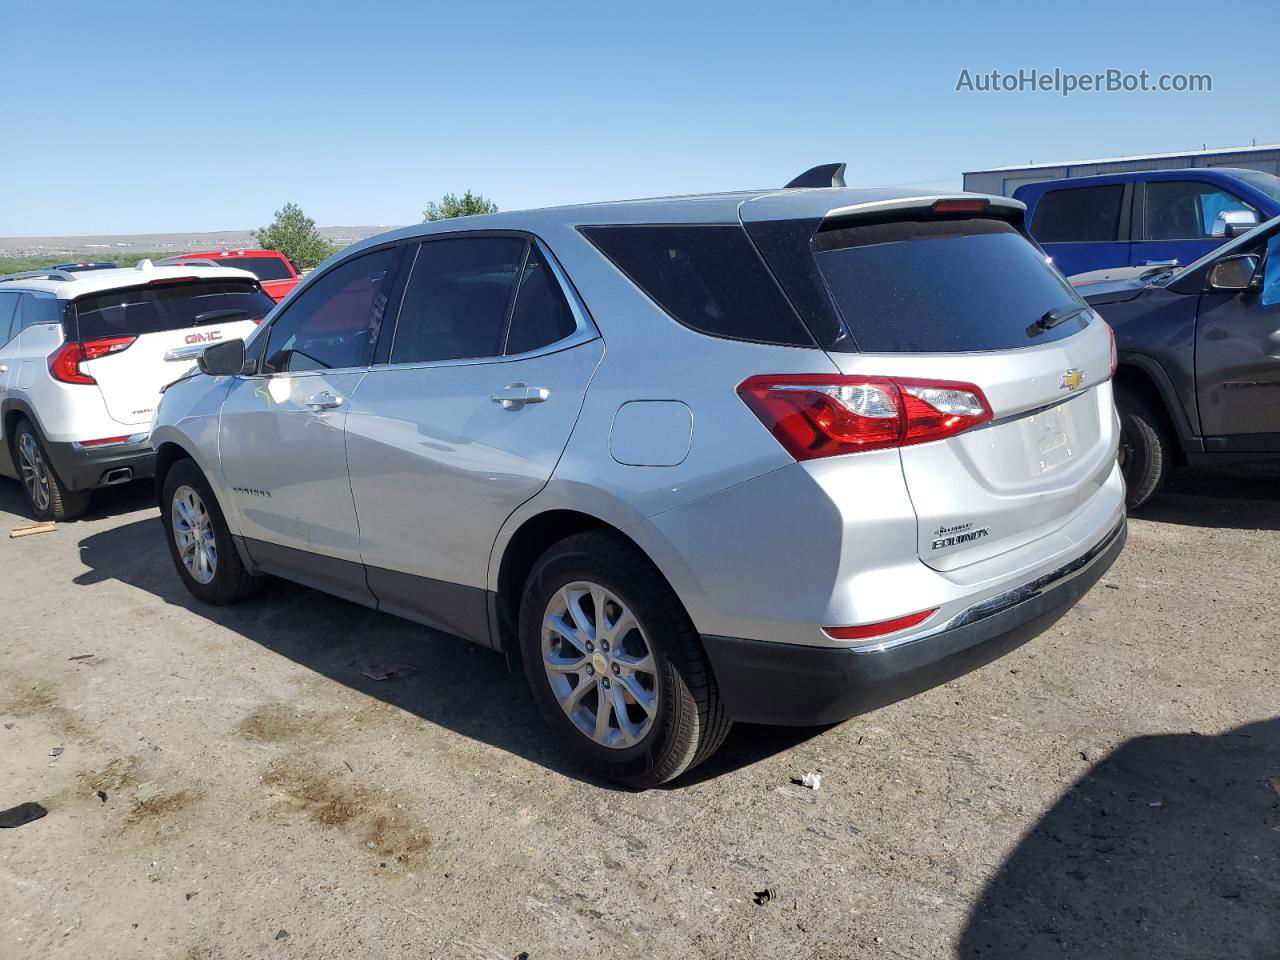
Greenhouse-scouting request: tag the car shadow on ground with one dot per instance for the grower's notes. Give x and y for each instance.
(1243, 497)
(444, 680)
(111, 501)
(1169, 847)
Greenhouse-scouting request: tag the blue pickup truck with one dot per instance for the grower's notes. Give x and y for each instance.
(1146, 219)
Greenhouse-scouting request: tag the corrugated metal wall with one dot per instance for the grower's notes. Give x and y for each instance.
(1004, 182)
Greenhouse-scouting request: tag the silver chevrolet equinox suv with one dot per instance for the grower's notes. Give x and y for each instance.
(776, 456)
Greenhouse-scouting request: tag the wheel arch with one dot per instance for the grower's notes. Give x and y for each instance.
(168, 453)
(1145, 378)
(535, 535)
(11, 411)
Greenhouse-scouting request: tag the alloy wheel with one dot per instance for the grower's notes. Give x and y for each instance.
(35, 473)
(600, 664)
(193, 533)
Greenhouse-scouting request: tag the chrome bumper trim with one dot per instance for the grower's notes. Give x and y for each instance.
(1010, 598)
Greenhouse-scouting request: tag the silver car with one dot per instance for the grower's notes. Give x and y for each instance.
(778, 456)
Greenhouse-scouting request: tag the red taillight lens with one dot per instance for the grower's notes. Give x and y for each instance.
(1115, 354)
(865, 630)
(816, 415)
(65, 362)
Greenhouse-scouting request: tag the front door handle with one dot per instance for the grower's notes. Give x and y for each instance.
(1159, 263)
(515, 395)
(324, 401)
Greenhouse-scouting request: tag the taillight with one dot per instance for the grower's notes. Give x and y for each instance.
(65, 362)
(1115, 354)
(864, 631)
(258, 320)
(820, 415)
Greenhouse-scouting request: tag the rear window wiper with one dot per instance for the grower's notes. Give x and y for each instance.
(1052, 318)
(212, 316)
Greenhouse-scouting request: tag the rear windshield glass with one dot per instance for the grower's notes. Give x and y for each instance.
(943, 286)
(708, 277)
(154, 309)
(264, 268)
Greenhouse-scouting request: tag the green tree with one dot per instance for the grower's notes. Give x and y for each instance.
(453, 206)
(294, 234)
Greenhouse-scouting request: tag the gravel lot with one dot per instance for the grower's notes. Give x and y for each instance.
(232, 784)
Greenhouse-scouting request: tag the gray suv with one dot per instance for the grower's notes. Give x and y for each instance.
(778, 456)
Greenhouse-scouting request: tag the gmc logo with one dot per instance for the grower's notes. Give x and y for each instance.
(209, 337)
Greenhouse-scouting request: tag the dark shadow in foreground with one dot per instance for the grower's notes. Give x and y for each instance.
(1168, 848)
(443, 680)
(1237, 497)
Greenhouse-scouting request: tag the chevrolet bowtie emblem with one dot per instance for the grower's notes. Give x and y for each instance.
(1071, 380)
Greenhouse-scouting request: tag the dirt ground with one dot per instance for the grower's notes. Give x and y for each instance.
(228, 783)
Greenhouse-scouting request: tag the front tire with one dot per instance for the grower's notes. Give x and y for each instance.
(48, 495)
(1144, 450)
(615, 664)
(200, 541)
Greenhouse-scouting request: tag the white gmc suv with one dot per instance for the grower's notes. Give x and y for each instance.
(82, 368)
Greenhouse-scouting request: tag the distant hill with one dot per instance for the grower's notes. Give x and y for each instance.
(104, 247)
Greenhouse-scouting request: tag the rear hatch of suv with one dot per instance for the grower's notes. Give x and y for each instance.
(123, 334)
(946, 301)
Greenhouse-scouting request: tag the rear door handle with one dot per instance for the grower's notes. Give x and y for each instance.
(324, 401)
(515, 395)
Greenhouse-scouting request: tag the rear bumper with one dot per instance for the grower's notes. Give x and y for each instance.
(83, 468)
(795, 685)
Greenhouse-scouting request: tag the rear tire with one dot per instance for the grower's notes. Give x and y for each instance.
(48, 495)
(197, 532)
(1144, 449)
(686, 720)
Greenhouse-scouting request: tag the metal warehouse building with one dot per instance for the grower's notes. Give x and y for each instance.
(1005, 180)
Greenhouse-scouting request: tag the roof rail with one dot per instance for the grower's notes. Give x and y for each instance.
(824, 175)
(41, 274)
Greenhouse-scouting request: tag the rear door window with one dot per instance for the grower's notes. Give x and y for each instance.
(1186, 209)
(8, 311)
(334, 322)
(458, 299)
(36, 309)
(943, 286)
(156, 308)
(706, 276)
(1079, 215)
(541, 315)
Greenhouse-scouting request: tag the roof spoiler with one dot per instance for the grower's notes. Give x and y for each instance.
(823, 175)
(945, 205)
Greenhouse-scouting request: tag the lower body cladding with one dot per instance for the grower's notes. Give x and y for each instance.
(802, 685)
(82, 467)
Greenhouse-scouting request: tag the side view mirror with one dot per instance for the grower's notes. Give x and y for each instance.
(1234, 223)
(222, 359)
(1235, 273)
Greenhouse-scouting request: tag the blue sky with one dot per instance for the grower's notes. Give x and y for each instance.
(140, 117)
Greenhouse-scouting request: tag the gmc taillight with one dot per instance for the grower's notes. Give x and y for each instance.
(66, 363)
(821, 415)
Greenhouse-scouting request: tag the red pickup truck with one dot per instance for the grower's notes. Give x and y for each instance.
(274, 270)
